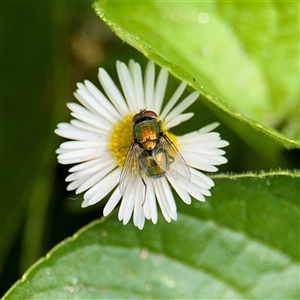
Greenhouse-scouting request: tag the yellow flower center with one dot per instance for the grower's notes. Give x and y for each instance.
(170, 135)
(122, 138)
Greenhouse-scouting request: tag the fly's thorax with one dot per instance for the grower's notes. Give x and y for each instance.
(146, 133)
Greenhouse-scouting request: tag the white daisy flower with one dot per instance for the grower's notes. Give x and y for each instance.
(102, 132)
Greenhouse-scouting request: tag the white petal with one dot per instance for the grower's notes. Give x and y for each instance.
(149, 207)
(199, 149)
(85, 182)
(136, 74)
(91, 170)
(113, 92)
(168, 195)
(193, 162)
(188, 101)
(102, 188)
(110, 180)
(154, 215)
(86, 114)
(112, 202)
(180, 190)
(201, 185)
(161, 200)
(101, 134)
(209, 127)
(60, 151)
(205, 159)
(138, 202)
(107, 187)
(73, 133)
(141, 222)
(178, 120)
(126, 209)
(97, 108)
(149, 84)
(194, 191)
(198, 176)
(167, 212)
(127, 86)
(147, 203)
(79, 159)
(195, 137)
(74, 160)
(72, 145)
(223, 143)
(92, 180)
(80, 155)
(105, 106)
(75, 184)
(95, 124)
(160, 89)
(173, 100)
(90, 163)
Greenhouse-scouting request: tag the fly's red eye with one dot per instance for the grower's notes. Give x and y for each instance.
(136, 117)
(144, 113)
(150, 114)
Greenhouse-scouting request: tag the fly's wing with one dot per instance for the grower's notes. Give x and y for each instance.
(130, 172)
(176, 166)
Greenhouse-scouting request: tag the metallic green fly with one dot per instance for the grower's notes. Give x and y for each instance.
(151, 155)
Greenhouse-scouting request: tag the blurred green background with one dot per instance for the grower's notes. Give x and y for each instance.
(46, 48)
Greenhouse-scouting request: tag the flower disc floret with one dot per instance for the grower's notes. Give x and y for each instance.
(121, 139)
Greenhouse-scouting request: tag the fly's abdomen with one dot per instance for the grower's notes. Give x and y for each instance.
(154, 166)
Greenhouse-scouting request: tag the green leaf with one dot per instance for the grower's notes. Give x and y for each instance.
(234, 50)
(241, 244)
